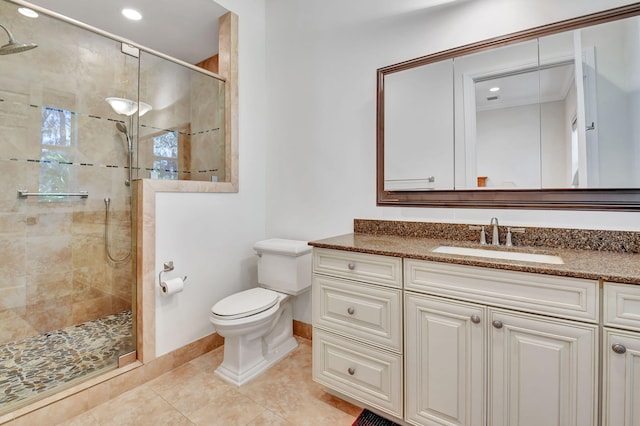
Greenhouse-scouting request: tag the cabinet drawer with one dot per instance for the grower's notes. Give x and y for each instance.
(372, 268)
(622, 305)
(365, 312)
(372, 376)
(564, 297)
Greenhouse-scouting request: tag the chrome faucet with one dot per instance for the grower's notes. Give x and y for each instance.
(495, 237)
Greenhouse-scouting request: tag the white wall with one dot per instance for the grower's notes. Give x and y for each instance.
(555, 142)
(307, 138)
(508, 146)
(321, 68)
(422, 130)
(210, 236)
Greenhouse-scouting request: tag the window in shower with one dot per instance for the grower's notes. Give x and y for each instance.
(165, 155)
(58, 150)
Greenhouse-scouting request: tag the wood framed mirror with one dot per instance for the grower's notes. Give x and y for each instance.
(562, 170)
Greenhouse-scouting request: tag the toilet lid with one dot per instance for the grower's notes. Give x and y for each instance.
(245, 303)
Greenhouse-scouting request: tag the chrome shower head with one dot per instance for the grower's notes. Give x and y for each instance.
(13, 46)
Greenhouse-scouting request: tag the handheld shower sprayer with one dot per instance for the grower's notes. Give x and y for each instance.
(123, 129)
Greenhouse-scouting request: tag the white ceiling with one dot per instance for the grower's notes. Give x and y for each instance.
(184, 29)
(547, 85)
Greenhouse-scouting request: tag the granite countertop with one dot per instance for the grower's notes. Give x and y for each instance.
(590, 264)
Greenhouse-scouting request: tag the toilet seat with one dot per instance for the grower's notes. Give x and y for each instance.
(245, 303)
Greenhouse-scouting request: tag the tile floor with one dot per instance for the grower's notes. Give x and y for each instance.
(193, 395)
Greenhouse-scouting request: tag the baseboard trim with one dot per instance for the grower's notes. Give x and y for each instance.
(302, 329)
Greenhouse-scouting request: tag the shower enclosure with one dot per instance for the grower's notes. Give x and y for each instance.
(65, 303)
(82, 116)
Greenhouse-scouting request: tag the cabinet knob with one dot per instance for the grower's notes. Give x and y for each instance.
(350, 310)
(618, 348)
(475, 319)
(351, 371)
(497, 324)
(351, 266)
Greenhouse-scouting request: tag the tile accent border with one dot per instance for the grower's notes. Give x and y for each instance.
(564, 238)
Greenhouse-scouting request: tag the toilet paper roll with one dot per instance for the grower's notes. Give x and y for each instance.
(172, 286)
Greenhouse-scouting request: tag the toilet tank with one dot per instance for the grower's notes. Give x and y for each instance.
(284, 265)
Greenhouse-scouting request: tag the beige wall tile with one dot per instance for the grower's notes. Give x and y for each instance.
(14, 257)
(14, 327)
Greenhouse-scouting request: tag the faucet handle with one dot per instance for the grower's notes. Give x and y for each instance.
(509, 243)
(483, 234)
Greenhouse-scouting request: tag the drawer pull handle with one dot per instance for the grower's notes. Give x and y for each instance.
(351, 371)
(497, 324)
(475, 319)
(618, 348)
(351, 266)
(350, 310)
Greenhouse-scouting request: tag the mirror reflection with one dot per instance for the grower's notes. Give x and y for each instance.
(421, 155)
(521, 118)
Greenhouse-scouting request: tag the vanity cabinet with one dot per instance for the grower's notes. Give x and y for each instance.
(357, 327)
(504, 343)
(621, 355)
(435, 343)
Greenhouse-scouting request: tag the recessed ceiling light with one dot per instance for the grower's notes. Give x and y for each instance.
(132, 14)
(28, 12)
(494, 89)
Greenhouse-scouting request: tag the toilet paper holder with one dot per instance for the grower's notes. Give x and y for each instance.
(167, 267)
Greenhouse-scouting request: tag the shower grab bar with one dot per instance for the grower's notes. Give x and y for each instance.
(23, 193)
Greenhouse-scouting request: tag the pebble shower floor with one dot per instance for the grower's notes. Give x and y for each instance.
(40, 365)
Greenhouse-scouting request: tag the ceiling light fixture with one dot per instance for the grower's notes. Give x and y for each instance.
(494, 89)
(128, 107)
(28, 12)
(132, 14)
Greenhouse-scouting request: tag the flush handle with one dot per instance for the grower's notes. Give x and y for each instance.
(350, 310)
(618, 348)
(351, 371)
(351, 266)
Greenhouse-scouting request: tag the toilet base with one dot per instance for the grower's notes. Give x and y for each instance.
(231, 375)
(249, 354)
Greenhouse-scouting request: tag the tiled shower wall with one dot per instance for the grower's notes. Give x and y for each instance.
(54, 271)
(190, 103)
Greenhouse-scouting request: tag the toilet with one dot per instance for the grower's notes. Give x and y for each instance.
(257, 324)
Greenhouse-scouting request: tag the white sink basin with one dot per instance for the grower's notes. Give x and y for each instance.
(498, 254)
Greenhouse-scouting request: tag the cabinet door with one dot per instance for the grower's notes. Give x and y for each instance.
(621, 378)
(445, 359)
(542, 371)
